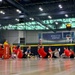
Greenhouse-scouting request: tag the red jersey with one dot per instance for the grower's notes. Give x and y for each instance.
(1, 52)
(14, 49)
(71, 52)
(42, 52)
(67, 52)
(50, 50)
(19, 52)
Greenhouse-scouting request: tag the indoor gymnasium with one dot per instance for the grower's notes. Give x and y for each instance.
(37, 37)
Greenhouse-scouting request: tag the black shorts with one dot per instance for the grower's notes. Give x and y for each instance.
(47, 55)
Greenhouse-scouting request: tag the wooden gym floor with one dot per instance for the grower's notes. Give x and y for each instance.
(37, 66)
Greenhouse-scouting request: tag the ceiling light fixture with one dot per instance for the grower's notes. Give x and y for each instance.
(47, 28)
(49, 17)
(18, 11)
(2, 12)
(66, 15)
(21, 16)
(60, 6)
(41, 9)
(56, 23)
(31, 18)
(0, 0)
(17, 19)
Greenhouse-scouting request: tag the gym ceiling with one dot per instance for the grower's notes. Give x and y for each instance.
(50, 15)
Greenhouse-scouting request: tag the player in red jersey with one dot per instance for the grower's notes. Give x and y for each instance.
(42, 52)
(19, 52)
(67, 52)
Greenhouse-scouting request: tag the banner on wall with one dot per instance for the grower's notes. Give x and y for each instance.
(68, 34)
(52, 36)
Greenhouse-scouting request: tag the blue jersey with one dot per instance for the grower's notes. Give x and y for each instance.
(28, 51)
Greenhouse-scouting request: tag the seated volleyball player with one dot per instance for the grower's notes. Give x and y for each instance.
(68, 53)
(19, 52)
(56, 53)
(28, 52)
(50, 52)
(42, 52)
